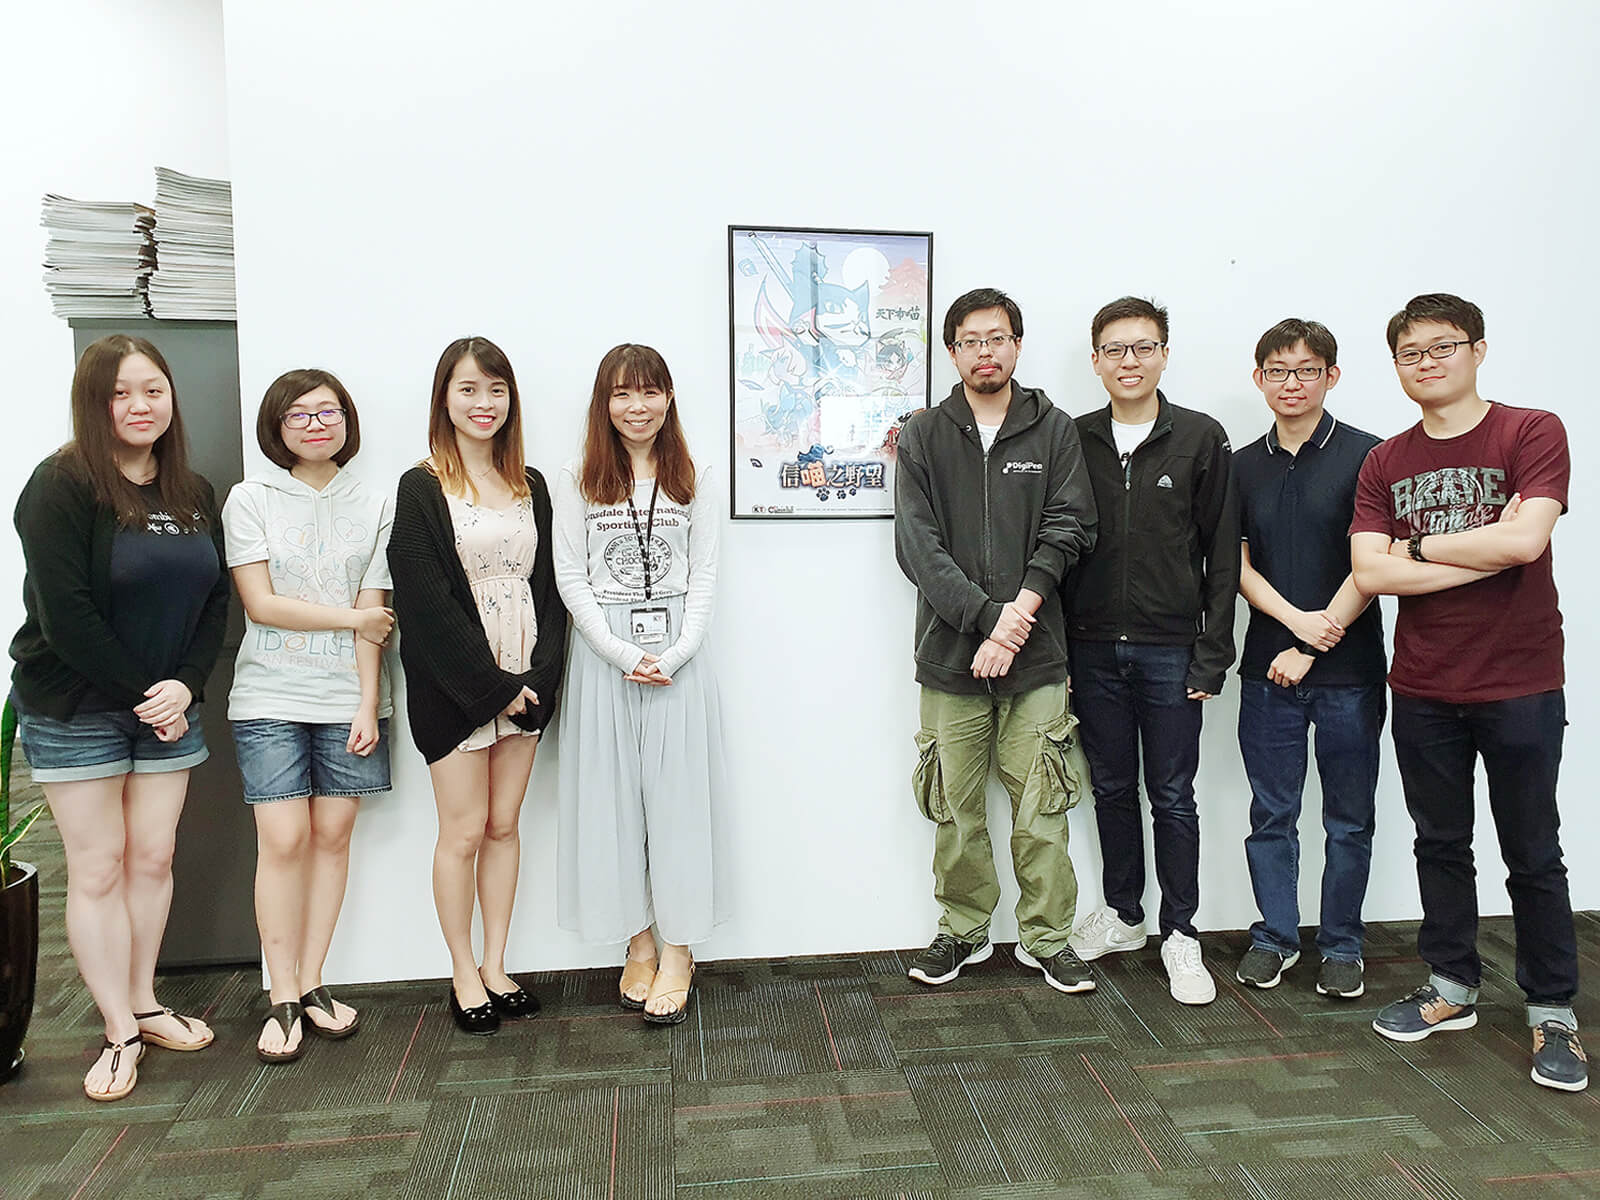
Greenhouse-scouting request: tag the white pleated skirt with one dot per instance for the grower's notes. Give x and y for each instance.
(643, 789)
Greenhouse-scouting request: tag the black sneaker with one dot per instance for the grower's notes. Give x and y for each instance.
(1341, 980)
(1264, 968)
(943, 959)
(1420, 1013)
(1558, 1057)
(1063, 970)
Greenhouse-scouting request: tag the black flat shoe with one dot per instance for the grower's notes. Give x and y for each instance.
(481, 1020)
(515, 1003)
(320, 998)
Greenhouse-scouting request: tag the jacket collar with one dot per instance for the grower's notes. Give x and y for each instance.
(1099, 421)
(1319, 436)
(1028, 406)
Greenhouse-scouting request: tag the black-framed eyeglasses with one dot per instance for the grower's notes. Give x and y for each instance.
(1303, 374)
(1116, 350)
(301, 420)
(998, 342)
(1410, 358)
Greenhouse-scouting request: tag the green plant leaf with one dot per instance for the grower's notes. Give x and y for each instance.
(20, 830)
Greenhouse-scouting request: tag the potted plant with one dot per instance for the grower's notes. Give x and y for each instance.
(19, 914)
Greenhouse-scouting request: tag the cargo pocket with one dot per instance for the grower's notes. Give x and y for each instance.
(1060, 774)
(927, 782)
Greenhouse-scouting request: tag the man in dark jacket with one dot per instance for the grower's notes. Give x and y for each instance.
(992, 507)
(1151, 623)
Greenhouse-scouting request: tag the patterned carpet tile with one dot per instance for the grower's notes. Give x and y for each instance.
(830, 1134)
(744, 1026)
(989, 1010)
(602, 1141)
(1056, 1116)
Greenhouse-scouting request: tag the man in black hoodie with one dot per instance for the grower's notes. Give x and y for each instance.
(992, 507)
(1151, 622)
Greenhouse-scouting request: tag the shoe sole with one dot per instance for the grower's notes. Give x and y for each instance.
(977, 956)
(1360, 990)
(1102, 951)
(1028, 960)
(1276, 979)
(1408, 1035)
(1560, 1085)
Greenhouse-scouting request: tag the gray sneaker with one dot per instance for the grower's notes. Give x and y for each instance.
(945, 956)
(1341, 980)
(1105, 933)
(1064, 970)
(1264, 968)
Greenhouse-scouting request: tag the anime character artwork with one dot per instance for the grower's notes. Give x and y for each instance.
(830, 335)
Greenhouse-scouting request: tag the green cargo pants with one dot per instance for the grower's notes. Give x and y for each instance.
(1033, 740)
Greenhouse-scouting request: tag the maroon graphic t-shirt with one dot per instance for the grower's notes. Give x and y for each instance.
(1499, 637)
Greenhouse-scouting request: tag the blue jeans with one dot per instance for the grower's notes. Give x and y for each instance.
(290, 760)
(1519, 740)
(1273, 724)
(1129, 695)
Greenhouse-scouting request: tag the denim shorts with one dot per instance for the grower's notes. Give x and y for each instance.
(289, 760)
(102, 745)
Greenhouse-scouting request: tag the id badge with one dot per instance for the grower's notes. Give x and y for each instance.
(649, 626)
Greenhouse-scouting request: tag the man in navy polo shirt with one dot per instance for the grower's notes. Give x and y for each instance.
(1313, 657)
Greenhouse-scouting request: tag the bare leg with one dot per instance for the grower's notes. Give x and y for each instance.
(461, 794)
(283, 840)
(151, 805)
(332, 819)
(510, 762)
(88, 813)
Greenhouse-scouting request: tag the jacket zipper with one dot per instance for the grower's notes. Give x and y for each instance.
(988, 541)
(1127, 526)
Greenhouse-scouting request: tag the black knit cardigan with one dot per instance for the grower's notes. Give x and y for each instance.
(453, 683)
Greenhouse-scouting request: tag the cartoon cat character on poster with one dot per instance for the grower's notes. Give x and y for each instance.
(830, 357)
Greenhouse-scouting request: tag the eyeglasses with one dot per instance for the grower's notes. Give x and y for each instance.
(1303, 374)
(327, 417)
(1116, 350)
(1410, 358)
(998, 342)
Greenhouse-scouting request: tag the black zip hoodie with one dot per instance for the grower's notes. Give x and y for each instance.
(1165, 570)
(973, 529)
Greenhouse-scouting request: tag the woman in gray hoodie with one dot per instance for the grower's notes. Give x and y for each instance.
(310, 704)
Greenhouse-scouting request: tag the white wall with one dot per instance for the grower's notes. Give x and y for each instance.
(97, 94)
(559, 178)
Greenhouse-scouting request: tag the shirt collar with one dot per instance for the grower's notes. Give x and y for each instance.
(1319, 436)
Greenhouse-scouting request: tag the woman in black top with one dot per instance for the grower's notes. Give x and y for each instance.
(126, 601)
(482, 638)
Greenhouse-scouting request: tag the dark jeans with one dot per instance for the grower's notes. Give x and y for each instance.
(1520, 742)
(1273, 724)
(1126, 696)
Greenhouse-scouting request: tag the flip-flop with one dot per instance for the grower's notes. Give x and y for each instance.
(672, 1016)
(162, 1040)
(116, 1049)
(321, 999)
(285, 1014)
(635, 972)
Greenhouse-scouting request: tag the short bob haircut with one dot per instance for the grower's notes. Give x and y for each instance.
(280, 397)
(1291, 332)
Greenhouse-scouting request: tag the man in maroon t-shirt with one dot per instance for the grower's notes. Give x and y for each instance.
(1454, 516)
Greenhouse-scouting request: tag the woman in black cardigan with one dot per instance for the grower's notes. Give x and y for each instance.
(483, 635)
(126, 601)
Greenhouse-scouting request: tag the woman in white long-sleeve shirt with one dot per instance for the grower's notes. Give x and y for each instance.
(642, 781)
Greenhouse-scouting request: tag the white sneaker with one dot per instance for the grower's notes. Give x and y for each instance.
(1191, 982)
(1105, 933)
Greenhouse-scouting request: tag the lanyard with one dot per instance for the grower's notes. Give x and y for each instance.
(644, 536)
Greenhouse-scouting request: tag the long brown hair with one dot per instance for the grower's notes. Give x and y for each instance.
(92, 452)
(607, 470)
(444, 458)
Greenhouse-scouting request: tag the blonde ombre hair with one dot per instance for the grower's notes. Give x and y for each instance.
(444, 457)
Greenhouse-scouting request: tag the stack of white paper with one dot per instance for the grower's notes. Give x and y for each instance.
(193, 279)
(98, 258)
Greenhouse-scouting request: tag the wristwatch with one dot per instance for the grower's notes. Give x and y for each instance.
(1414, 547)
(1307, 648)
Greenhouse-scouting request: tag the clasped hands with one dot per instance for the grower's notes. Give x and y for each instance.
(999, 649)
(164, 710)
(649, 673)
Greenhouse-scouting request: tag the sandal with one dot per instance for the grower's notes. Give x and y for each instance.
(672, 1016)
(116, 1049)
(287, 1015)
(634, 972)
(167, 1043)
(321, 999)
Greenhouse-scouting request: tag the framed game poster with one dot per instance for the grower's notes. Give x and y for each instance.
(828, 357)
